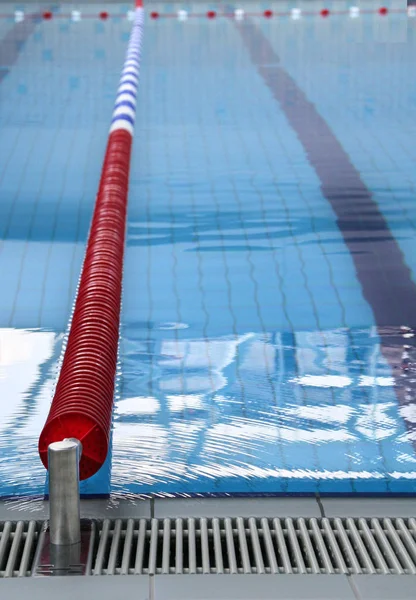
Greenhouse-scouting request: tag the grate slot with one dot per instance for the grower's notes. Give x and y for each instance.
(92, 549)
(255, 542)
(166, 547)
(306, 546)
(128, 548)
(360, 548)
(327, 566)
(15, 550)
(154, 536)
(399, 547)
(281, 548)
(412, 527)
(28, 550)
(114, 552)
(140, 551)
(244, 555)
(385, 547)
(205, 546)
(334, 547)
(230, 552)
(408, 541)
(18, 545)
(191, 546)
(5, 544)
(295, 547)
(102, 551)
(346, 539)
(179, 547)
(372, 546)
(269, 549)
(219, 564)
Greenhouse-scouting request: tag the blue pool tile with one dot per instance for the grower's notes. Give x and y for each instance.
(250, 356)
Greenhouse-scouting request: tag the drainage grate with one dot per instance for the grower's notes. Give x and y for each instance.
(256, 546)
(18, 542)
(227, 546)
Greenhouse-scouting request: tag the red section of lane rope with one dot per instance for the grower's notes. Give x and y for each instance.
(83, 402)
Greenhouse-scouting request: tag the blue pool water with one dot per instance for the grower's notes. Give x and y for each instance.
(267, 340)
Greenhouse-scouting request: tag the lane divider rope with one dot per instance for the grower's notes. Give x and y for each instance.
(238, 14)
(82, 405)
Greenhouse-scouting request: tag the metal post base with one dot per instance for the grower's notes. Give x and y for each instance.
(52, 560)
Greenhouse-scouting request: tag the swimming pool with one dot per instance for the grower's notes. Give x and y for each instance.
(269, 283)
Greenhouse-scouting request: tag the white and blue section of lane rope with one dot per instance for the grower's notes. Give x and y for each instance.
(125, 107)
(56, 105)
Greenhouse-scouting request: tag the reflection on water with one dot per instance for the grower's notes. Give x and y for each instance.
(259, 413)
(250, 357)
(29, 360)
(269, 262)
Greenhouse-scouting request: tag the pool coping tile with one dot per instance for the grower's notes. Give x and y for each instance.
(369, 507)
(236, 507)
(105, 587)
(252, 587)
(382, 587)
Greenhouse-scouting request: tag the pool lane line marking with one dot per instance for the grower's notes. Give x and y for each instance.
(14, 41)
